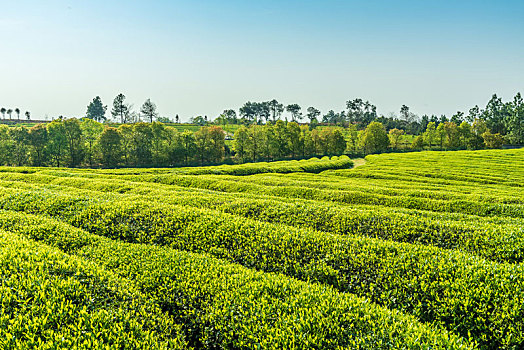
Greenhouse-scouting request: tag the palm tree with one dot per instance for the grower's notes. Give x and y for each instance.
(17, 111)
(9, 112)
(3, 110)
(28, 115)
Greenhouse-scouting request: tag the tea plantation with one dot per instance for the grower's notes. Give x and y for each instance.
(420, 250)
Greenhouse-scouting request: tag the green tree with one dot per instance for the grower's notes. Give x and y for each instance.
(440, 134)
(160, 140)
(494, 115)
(514, 120)
(9, 112)
(126, 141)
(75, 141)
(276, 109)
(3, 110)
(38, 139)
(294, 109)
(452, 135)
(217, 143)
(91, 130)
(202, 144)
(248, 112)
(360, 112)
(418, 142)
(188, 143)
(374, 138)
(20, 137)
(430, 134)
(281, 148)
(337, 142)
(255, 142)
(492, 140)
(395, 137)
(464, 132)
(17, 111)
(306, 141)
(28, 115)
(6, 145)
(294, 140)
(352, 137)
(57, 144)
(110, 143)
(142, 144)
(149, 110)
(240, 143)
(121, 109)
(312, 114)
(96, 110)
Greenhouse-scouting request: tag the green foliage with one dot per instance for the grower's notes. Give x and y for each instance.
(225, 305)
(374, 139)
(51, 300)
(304, 254)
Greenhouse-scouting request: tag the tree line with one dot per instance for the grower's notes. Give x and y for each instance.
(86, 142)
(504, 118)
(9, 112)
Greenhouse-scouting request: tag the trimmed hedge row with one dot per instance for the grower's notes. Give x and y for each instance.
(338, 196)
(476, 298)
(491, 240)
(224, 305)
(50, 300)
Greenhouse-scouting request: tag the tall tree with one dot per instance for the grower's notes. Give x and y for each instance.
(20, 136)
(75, 141)
(263, 111)
(96, 110)
(494, 115)
(3, 110)
(312, 114)
(276, 109)
(294, 109)
(9, 112)
(91, 131)
(142, 144)
(514, 121)
(374, 138)
(17, 111)
(110, 143)
(120, 108)
(248, 112)
(430, 134)
(149, 110)
(294, 141)
(57, 143)
(361, 112)
(395, 136)
(38, 139)
(28, 115)
(240, 143)
(188, 143)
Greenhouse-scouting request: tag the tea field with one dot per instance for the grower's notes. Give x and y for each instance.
(420, 250)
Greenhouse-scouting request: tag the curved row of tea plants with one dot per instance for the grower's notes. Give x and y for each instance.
(51, 300)
(471, 296)
(224, 305)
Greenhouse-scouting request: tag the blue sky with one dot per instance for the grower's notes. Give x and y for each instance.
(200, 57)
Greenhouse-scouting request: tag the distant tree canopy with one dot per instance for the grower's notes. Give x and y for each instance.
(96, 110)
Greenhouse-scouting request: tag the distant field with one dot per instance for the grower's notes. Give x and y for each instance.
(417, 250)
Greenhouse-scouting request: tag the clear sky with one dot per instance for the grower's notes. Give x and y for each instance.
(201, 57)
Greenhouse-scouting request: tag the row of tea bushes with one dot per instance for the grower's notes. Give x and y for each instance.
(224, 305)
